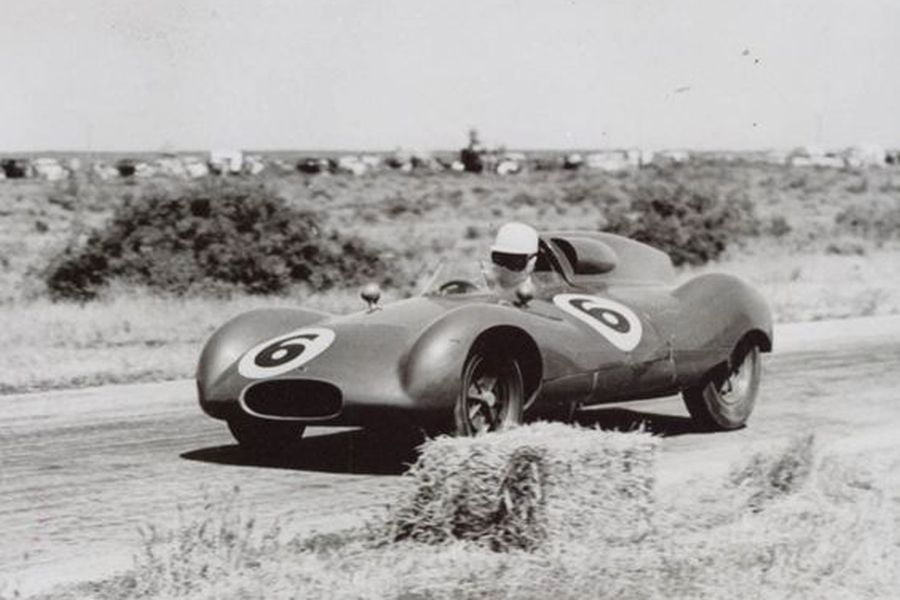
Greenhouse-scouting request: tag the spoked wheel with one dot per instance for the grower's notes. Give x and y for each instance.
(727, 404)
(266, 438)
(491, 395)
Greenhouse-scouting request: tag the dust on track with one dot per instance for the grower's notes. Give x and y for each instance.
(81, 470)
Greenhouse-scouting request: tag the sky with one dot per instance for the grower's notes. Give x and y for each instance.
(358, 74)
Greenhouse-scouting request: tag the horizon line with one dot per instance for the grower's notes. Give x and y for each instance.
(440, 150)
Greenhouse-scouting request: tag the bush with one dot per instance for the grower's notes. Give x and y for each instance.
(690, 224)
(778, 227)
(217, 236)
(879, 221)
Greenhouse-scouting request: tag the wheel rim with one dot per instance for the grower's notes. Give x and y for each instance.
(739, 383)
(486, 396)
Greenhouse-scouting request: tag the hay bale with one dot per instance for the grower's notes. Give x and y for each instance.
(546, 482)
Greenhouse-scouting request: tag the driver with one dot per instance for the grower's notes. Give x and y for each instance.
(513, 257)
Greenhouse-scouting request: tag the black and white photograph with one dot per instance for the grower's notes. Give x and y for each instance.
(427, 300)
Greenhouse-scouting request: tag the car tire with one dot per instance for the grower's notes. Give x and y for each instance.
(491, 396)
(266, 438)
(719, 403)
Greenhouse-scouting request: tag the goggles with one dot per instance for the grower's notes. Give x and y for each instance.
(513, 262)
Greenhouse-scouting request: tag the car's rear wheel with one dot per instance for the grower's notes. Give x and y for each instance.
(491, 396)
(265, 438)
(722, 403)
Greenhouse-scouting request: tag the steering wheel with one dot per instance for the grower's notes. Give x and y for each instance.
(456, 286)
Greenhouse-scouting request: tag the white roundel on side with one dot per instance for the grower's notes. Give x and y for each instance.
(285, 352)
(614, 321)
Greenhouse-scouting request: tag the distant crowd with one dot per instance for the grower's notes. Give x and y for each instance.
(474, 158)
(191, 166)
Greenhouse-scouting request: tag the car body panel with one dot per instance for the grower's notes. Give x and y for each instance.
(599, 328)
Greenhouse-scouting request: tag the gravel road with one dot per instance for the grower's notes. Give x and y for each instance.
(80, 470)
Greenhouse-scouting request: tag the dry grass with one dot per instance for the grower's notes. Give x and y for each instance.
(786, 524)
(196, 551)
(807, 267)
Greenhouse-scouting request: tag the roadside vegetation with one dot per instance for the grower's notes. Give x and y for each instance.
(122, 280)
(548, 510)
(209, 239)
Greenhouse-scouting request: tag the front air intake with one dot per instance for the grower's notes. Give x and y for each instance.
(293, 399)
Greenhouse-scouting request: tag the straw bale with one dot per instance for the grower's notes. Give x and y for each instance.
(545, 482)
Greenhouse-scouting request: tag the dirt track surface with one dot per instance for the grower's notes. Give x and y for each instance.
(80, 470)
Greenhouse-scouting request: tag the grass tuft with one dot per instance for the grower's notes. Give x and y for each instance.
(769, 476)
(223, 539)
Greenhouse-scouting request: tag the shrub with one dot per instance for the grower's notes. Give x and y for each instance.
(398, 205)
(860, 186)
(691, 224)
(523, 199)
(878, 221)
(597, 192)
(216, 236)
(778, 227)
(845, 248)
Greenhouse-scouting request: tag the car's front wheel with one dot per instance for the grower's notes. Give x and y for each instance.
(726, 403)
(265, 438)
(491, 396)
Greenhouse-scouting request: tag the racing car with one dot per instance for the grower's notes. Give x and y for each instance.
(602, 319)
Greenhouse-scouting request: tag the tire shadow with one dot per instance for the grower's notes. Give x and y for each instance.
(356, 452)
(626, 419)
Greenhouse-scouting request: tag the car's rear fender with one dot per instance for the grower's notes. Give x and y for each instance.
(717, 314)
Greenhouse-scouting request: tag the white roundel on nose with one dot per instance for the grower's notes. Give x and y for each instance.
(285, 352)
(613, 320)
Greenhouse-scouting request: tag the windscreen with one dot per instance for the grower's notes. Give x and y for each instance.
(476, 276)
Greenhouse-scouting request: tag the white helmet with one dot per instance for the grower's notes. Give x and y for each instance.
(516, 238)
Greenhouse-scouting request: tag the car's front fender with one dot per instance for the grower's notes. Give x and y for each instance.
(432, 369)
(230, 341)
